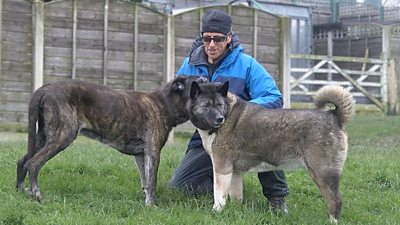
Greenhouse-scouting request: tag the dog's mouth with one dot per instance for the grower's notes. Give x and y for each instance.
(216, 125)
(218, 122)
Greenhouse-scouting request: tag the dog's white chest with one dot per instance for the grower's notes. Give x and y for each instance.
(208, 140)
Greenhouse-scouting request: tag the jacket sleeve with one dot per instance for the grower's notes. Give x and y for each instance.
(262, 87)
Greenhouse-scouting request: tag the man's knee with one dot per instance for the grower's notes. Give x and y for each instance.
(200, 186)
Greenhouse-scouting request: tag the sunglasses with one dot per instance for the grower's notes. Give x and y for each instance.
(216, 39)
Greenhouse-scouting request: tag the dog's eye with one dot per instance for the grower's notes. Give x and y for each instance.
(218, 104)
(206, 105)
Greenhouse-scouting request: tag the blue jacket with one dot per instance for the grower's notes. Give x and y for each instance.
(247, 78)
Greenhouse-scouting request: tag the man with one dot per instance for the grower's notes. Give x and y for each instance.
(218, 56)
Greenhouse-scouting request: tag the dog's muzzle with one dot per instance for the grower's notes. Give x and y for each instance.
(218, 122)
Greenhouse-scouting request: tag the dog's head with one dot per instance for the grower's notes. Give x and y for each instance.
(177, 94)
(208, 105)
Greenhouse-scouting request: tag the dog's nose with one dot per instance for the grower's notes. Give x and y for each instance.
(220, 120)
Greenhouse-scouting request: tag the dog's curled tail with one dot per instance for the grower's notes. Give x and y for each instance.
(340, 98)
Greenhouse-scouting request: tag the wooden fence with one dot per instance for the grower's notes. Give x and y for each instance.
(121, 44)
(115, 43)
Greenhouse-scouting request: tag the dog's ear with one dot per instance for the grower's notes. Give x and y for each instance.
(223, 90)
(194, 90)
(178, 84)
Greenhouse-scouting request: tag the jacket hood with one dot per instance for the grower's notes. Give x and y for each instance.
(197, 54)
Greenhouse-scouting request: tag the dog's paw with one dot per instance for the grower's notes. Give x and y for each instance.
(333, 220)
(150, 202)
(217, 207)
(36, 195)
(21, 188)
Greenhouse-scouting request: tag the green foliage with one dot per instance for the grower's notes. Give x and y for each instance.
(90, 183)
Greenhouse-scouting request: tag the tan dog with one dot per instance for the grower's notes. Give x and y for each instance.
(134, 123)
(241, 136)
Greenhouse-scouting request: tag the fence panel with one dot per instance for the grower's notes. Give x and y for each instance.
(116, 43)
(16, 61)
(58, 40)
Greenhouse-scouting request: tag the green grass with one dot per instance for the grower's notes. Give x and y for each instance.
(90, 183)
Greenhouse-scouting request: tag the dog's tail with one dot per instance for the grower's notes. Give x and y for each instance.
(34, 108)
(340, 98)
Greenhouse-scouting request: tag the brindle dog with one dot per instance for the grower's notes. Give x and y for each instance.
(134, 123)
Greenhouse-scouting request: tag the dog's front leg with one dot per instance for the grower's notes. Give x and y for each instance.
(151, 162)
(221, 189)
(236, 187)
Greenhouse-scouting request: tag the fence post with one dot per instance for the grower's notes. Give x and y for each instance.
(330, 54)
(38, 43)
(284, 75)
(255, 33)
(169, 48)
(169, 54)
(135, 44)
(105, 42)
(386, 32)
(1, 29)
(74, 28)
(393, 106)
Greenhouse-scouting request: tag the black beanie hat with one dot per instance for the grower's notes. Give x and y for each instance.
(216, 21)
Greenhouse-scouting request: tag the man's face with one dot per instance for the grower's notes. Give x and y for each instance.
(215, 44)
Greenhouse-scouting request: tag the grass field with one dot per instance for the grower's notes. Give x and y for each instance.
(90, 183)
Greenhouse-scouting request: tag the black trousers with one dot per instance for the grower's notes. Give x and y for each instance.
(194, 174)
